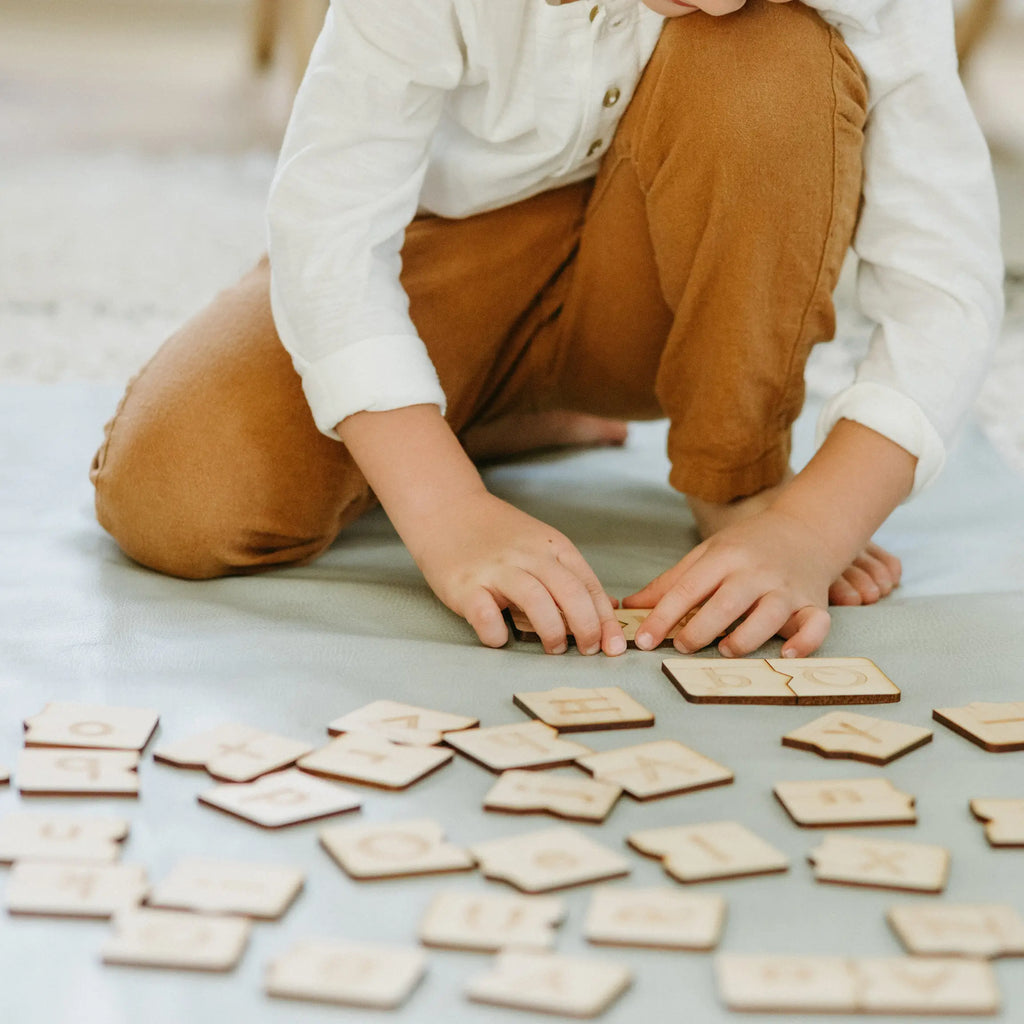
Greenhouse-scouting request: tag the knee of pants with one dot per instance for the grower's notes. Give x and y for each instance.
(764, 95)
(201, 522)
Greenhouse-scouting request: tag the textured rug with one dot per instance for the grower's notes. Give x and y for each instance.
(102, 255)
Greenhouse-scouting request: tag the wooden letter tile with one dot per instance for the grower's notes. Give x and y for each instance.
(5, 775)
(657, 917)
(170, 938)
(921, 985)
(728, 681)
(629, 618)
(523, 745)
(55, 837)
(846, 802)
(698, 853)
(551, 983)
(67, 772)
(880, 863)
(377, 976)
(575, 709)
(1004, 820)
(660, 768)
(394, 849)
(283, 798)
(837, 680)
(491, 921)
(995, 727)
(402, 723)
(843, 734)
(60, 724)
(234, 753)
(374, 761)
(572, 797)
(946, 929)
(74, 890)
(228, 887)
(786, 984)
(550, 859)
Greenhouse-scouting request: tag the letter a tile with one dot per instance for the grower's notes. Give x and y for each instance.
(846, 802)
(837, 680)
(575, 709)
(660, 768)
(843, 734)
(402, 723)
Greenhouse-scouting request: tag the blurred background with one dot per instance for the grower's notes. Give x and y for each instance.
(137, 141)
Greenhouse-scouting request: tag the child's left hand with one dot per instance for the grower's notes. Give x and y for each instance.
(771, 570)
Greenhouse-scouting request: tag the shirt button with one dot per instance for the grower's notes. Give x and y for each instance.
(611, 97)
(595, 146)
(594, 11)
(617, 22)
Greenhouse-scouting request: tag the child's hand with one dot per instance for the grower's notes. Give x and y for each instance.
(483, 554)
(770, 569)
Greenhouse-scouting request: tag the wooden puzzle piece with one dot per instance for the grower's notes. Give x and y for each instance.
(659, 768)
(1004, 820)
(922, 985)
(837, 680)
(5, 775)
(786, 984)
(658, 917)
(577, 709)
(780, 680)
(575, 798)
(380, 977)
(846, 802)
(374, 761)
(56, 889)
(402, 723)
(62, 771)
(228, 887)
(714, 850)
(983, 931)
(491, 921)
(551, 983)
(880, 863)
(172, 938)
(831, 984)
(52, 837)
(728, 681)
(630, 619)
(394, 849)
(995, 727)
(61, 724)
(550, 859)
(234, 753)
(522, 745)
(843, 734)
(283, 798)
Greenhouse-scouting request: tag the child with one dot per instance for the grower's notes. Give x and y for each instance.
(491, 217)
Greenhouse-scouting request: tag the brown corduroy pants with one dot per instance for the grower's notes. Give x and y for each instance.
(689, 280)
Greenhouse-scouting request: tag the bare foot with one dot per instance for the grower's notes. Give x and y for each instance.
(872, 575)
(530, 432)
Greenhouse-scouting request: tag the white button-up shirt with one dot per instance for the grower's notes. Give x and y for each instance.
(460, 106)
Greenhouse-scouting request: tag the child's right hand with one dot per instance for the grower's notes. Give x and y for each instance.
(481, 555)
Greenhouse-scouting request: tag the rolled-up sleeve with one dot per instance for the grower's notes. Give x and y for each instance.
(930, 267)
(347, 186)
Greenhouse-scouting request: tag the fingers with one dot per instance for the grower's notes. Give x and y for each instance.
(484, 615)
(872, 575)
(683, 596)
(805, 631)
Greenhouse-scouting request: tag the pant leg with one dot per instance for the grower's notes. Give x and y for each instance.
(212, 464)
(714, 240)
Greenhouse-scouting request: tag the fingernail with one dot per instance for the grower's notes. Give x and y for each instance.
(591, 650)
(560, 649)
(644, 641)
(617, 645)
(788, 652)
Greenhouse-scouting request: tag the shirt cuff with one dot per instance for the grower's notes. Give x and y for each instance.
(894, 415)
(373, 375)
